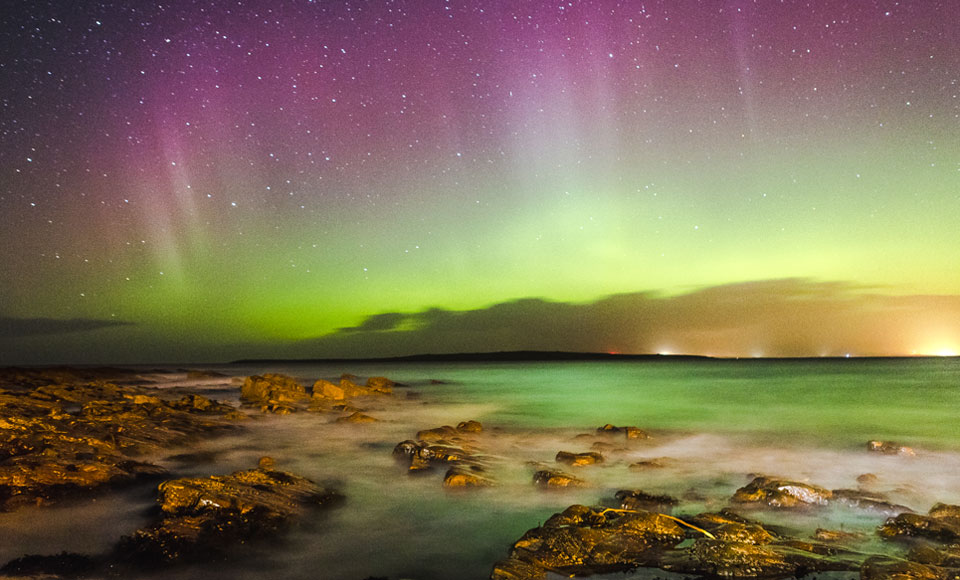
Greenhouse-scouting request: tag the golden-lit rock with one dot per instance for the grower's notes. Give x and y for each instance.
(556, 479)
(465, 478)
(782, 493)
(579, 459)
(357, 417)
(273, 393)
(889, 448)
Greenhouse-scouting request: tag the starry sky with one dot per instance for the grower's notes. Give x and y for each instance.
(202, 181)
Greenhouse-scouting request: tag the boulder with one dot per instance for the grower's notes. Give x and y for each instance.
(889, 448)
(273, 393)
(469, 427)
(909, 526)
(882, 568)
(380, 384)
(782, 494)
(582, 540)
(445, 432)
(556, 479)
(869, 501)
(579, 459)
(635, 499)
(654, 463)
(357, 417)
(204, 517)
(465, 478)
(625, 432)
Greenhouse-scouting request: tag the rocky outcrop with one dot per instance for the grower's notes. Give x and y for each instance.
(203, 517)
(636, 499)
(940, 525)
(273, 393)
(550, 479)
(460, 477)
(781, 493)
(582, 540)
(579, 459)
(60, 440)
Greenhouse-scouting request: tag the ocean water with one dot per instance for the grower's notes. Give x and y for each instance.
(718, 423)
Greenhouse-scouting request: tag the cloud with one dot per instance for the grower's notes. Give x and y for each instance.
(784, 317)
(377, 322)
(11, 327)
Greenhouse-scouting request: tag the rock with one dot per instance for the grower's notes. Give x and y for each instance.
(909, 526)
(583, 540)
(462, 478)
(62, 440)
(740, 560)
(870, 501)
(323, 389)
(202, 517)
(837, 536)
(579, 459)
(357, 417)
(868, 480)
(626, 432)
(445, 432)
(943, 511)
(655, 463)
(556, 479)
(514, 569)
(946, 556)
(881, 568)
(889, 448)
(743, 533)
(635, 499)
(273, 393)
(781, 493)
(712, 521)
(469, 427)
(380, 384)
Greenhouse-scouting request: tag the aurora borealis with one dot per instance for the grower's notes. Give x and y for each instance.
(202, 181)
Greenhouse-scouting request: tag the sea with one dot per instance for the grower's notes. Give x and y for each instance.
(714, 425)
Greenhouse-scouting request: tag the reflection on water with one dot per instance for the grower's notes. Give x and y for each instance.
(718, 423)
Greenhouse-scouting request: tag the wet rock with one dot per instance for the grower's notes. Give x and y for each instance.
(743, 533)
(635, 499)
(273, 393)
(713, 520)
(868, 480)
(324, 389)
(881, 568)
(889, 448)
(626, 432)
(943, 528)
(514, 569)
(380, 385)
(943, 511)
(357, 417)
(654, 463)
(579, 459)
(59, 440)
(837, 536)
(739, 560)
(782, 493)
(870, 501)
(203, 517)
(946, 556)
(465, 478)
(469, 427)
(583, 541)
(445, 432)
(556, 479)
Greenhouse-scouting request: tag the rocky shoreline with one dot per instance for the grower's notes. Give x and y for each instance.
(76, 433)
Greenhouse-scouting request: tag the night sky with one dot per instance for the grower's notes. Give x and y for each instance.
(202, 181)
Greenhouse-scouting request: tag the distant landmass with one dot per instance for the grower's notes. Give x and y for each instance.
(501, 356)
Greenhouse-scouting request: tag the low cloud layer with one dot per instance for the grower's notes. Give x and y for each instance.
(789, 317)
(11, 327)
